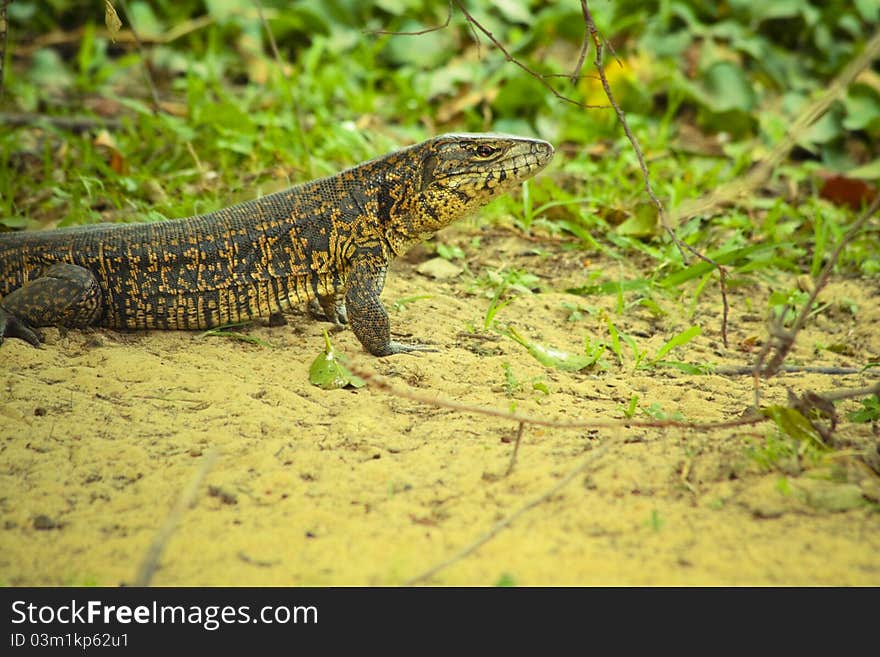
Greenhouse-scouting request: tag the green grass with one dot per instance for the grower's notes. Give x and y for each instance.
(235, 125)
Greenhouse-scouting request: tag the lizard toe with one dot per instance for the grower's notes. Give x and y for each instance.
(13, 327)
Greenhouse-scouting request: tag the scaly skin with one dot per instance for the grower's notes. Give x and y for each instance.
(328, 242)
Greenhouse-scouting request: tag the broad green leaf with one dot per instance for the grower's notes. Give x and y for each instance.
(556, 358)
(643, 222)
(328, 370)
(862, 108)
(677, 341)
(869, 9)
(792, 423)
(869, 171)
(515, 11)
(687, 368)
(728, 88)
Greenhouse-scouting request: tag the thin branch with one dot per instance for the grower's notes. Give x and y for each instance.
(519, 435)
(187, 498)
(297, 111)
(783, 340)
(516, 62)
(72, 123)
(427, 30)
(661, 212)
(850, 393)
(144, 60)
(730, 192)
(4, 39)
(790, 369)
(439, 402)
(475, 26)
(585, 46)
(592, 457)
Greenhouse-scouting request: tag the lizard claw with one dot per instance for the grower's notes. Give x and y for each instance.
(13, 327)
(329, 310)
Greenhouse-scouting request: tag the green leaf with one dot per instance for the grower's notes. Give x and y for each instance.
(792, 423)
(677, 341)
(424, 51)
(728, 88)
(328, 370)
(869, 412)
(643, 222)
(869, 9)
(869, 171)
(515, 11)
(687, 368)
(862, 108)
(556, 358)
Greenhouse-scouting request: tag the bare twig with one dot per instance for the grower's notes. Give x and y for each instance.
(590, 461)
(439, 402)
(782, 340)
(72, 123)
(585, 46)
(519, 434)
(187, 498)
(436, 28)
(791, 369)
(476, 26)
(516, 62)
(4, 39)
(729, 193)
(297, 110)
(850, 393)
(148, 76)
(661, 212)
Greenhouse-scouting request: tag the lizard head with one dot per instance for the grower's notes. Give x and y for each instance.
(454, 175)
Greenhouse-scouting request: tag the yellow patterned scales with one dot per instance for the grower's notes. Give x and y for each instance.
(327, 242)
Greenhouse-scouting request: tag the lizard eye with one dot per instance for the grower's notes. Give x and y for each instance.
(484, 150)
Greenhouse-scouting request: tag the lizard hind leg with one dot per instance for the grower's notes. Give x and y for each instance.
(63, 295)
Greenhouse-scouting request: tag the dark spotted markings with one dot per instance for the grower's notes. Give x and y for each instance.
(327, 242)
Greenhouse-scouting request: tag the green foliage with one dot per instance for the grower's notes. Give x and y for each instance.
(869, 411)
(235, 124)
(505, 579)
(329, 370)
(512, 385)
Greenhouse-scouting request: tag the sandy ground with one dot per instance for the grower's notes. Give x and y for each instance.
(102, 432)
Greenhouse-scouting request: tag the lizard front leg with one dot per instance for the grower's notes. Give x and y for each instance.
(330, 308)
(63, 295)
(366, 315)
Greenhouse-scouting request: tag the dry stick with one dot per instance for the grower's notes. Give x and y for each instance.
(4, 39)
(187, 498)
(791, 369)
(475, 26)
(296, 106)
(661, 212)
(850, 393)
(122, 36)
(730, 192)
(519, 434)
(784, 340)
(140, 46)
(590, 460)
(418, 32)
(585, 46)
(440, 402)
(72, 123)
(516, 62)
